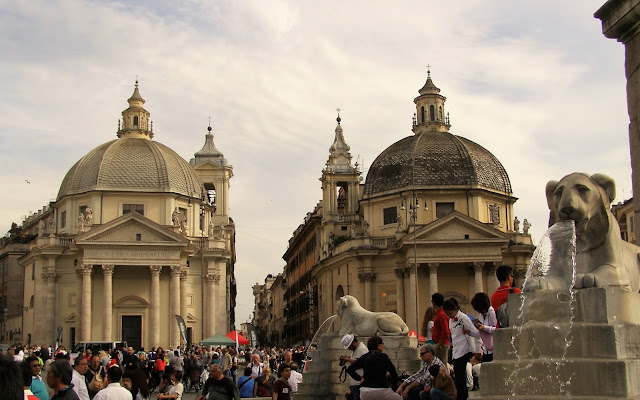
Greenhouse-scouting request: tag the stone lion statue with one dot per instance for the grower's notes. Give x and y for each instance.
(602, 258)
(354, 319)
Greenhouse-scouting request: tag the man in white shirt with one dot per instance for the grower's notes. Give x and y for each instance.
(114, 391)
(80, 367)
(256, 366)
(358, 349)
(295, 378)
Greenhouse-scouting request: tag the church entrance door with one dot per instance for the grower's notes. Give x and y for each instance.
(132, 330)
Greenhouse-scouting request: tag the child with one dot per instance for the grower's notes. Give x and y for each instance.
(464, 346)
(281, 388)
(485, 325)
(442, 386)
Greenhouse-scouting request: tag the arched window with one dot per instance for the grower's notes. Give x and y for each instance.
(422, 114)
(135, 122)
(339, 292)
(432, 112)
(440, 119)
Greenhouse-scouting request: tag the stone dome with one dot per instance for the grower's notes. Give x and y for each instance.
(132, 165)
(434, 159)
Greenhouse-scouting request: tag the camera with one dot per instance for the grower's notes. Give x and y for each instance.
(342, 361)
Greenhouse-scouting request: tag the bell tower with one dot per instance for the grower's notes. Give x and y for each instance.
(430, 113)
(340, 190)
(135, 119)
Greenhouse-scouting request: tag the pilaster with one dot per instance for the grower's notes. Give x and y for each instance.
(107, 316)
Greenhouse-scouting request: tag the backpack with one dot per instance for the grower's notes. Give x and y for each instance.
(97, 383)
(502, 314)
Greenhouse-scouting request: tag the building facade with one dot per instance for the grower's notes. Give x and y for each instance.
(136, 236)
(435, 214)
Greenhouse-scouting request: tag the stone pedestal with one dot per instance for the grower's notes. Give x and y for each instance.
(321, 380)
(595, 355)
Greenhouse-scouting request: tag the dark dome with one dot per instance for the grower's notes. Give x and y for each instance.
(441, 160)
(132, 165)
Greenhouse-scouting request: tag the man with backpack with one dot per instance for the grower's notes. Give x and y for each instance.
(499, 298)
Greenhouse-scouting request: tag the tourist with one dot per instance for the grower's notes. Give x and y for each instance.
(37, 386)
(176, 361)
(358, 349)
(136, 382)
(485, 324)
(176, 389)
(264, 384)
(296, 377)
(219, 386)
(27, 379)
(59, 377)
(375, 365)
(442, 386)
(129, 360)
(256, 366)
(427, 324)
(114, 391)
(95, 376)
(464, 346)
(281, 388)
(115, 360)
(245, 384)
(440, 331)
(11, 379)
(80, 367)
(504, 273)
(225, 362)
(414, 384)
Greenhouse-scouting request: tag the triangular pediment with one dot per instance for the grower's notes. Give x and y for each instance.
(132, 228)
(456, 227)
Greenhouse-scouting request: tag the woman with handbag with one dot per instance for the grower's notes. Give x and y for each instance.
(264, 384)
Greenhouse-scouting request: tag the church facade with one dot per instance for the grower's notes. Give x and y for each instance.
(136, 236)
(435, 214)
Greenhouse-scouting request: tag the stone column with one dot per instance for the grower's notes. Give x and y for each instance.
(400, 291)
(212, 281)
(367, 278)
(174, 306)
(86, 302)
(433, 278)
(155, 305)
(410, 306)
(50, 327)
(183, 294)
(621, 21)
(107, 313)
(477, 276)
(79, 305)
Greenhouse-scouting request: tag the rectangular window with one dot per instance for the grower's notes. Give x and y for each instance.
(63, 219)
(138, 237)
(444, 209)
(390, 215)
(127, 208)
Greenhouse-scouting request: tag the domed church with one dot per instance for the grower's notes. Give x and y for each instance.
(136, 236)
(435, 214)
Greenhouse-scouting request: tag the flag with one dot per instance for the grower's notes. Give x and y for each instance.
(183, 328)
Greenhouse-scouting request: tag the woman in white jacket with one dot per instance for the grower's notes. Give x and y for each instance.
(485, 324)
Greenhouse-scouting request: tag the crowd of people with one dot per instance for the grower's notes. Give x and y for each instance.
(456, 345)
(126, 374)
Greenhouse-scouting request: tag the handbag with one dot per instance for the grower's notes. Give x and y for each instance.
(96, 384)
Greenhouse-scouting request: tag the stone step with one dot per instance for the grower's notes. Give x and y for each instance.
(586, 340)
(544, 377)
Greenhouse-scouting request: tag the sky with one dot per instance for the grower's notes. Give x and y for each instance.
(535, 83)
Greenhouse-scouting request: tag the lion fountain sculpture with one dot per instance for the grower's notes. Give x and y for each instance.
(354, 319)
(602, 258)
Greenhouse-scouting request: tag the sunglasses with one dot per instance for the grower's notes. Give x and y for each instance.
(423, 353)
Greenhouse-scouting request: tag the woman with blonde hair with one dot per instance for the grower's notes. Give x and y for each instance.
(427, 324)
(264, 384)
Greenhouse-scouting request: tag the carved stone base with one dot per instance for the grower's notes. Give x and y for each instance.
(595, 356)
(321, 380)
